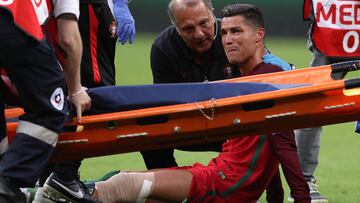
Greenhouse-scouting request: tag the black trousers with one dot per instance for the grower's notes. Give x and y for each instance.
(33, 68)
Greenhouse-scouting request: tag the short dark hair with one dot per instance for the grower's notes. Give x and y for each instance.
(250, 12)
(174, 3)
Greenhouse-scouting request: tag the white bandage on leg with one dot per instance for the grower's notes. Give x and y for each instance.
(126, 187)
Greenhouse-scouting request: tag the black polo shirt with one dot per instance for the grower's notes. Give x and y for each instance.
(173, 62)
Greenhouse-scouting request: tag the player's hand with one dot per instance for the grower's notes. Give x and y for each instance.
(126, 23)
(81, 102)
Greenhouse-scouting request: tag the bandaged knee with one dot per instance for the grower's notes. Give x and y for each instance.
(126, 187)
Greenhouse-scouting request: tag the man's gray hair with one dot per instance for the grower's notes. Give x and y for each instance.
(174, 4)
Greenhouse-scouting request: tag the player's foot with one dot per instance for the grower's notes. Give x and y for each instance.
(73, 191)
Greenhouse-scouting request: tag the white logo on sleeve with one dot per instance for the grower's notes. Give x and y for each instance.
(57, 98)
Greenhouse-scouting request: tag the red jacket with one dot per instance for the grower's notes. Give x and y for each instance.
(28, 15)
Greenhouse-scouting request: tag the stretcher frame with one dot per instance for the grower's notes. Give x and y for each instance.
(326, 101)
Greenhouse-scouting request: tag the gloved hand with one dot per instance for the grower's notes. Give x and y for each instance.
(126, 23)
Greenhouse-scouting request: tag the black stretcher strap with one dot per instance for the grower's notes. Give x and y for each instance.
(352, 83)
(345, 66)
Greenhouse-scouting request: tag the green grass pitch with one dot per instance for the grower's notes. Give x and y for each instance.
(338, 172)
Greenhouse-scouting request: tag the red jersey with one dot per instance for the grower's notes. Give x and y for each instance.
(243, 169)
(28, 15)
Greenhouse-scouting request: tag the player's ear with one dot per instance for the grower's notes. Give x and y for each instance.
(260, 35)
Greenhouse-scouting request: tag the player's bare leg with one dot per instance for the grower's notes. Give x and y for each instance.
(161, 185)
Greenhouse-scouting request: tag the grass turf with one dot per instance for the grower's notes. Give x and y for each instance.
(338, 172)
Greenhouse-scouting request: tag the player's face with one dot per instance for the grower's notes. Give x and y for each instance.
(239, 39)
(196, 26)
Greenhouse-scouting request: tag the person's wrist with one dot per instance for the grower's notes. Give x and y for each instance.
(76, 93)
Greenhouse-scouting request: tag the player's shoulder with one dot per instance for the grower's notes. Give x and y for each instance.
(267, 68)
(272, 59)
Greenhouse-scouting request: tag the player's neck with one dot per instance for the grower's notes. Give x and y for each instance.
(249, 64)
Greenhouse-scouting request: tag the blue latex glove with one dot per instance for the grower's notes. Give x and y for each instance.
(126, 23)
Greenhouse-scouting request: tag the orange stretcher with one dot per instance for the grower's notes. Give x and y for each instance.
(326, 101)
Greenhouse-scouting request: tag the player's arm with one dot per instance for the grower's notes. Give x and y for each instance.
(66, 13)
(70, 42)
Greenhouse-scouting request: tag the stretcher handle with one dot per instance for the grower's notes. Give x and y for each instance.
(345, 66)
(352, 83)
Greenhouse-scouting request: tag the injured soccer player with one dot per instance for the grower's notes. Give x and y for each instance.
(246, 165)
